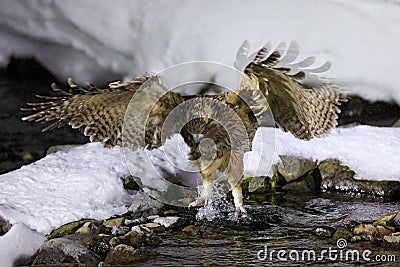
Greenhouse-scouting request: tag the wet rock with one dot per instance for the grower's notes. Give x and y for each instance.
(143, 202)
(62, 250)
(154, 227)
(170, 212)
(114, 222)
(120, 230)
(141, 230)
(292, 168)
(87, 228)
(342, 232)
(310, 182)
(152, 217)
(152, 240)
(393, 239)
(371, 232)
(132, 239)
(132, 222)
(169, 222)
(389, 220)
(190, 230)
(100, 245)
(83, 239)
(338, 177)
(5, 226)
(124, 255)
(68, 228)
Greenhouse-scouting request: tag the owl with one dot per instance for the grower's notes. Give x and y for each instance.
(301, 102)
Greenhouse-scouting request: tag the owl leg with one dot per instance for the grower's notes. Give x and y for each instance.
(206, 190)
(238, 198)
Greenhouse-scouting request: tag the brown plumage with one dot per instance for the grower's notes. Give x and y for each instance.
(301, 103)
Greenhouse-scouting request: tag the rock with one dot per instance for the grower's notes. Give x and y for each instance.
(324, 231)
(338, 177)
(152, 240)
(62, 250)
(154, 227)
(170, 212)
(396, 124)
(87, 228)
(129, 183)
(114, 222)
(141, 230)
(356, 238)
(190, 230)
(5, 226)
(68, 228)
(371, 232)
(83, 239)
(144, 202)
(152, 217)
(169, 222)
(393, 239)
(120, 230)
(310, 182)
(132, 239)
(101, 245)
(125, 255)
(342, 232)
(388, 219)
(292, 168)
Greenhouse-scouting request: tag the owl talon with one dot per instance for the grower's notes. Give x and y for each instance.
(240, 211)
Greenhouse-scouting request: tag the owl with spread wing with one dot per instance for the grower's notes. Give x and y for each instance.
(301, 102)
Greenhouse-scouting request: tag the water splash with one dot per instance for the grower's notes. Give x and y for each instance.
(217, 205)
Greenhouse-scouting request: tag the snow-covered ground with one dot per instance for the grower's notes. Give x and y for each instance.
(84, 181)
(96, 40)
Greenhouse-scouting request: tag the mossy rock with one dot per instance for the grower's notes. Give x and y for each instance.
(69, 228)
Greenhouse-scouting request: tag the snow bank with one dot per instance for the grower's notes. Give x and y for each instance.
(18, 245)
(97, 40)
(84, 182)
(373, 153)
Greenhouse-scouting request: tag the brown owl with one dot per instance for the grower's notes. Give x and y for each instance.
(300, 101)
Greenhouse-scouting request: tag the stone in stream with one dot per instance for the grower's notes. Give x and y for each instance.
(338, 177)
(169, 222)
(62, 250)
(125, 255)
(393, 240)
(132, 239)
(68, 228)
(371, 232)
(292, 168)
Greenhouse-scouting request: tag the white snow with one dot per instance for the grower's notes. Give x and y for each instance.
(84, 181)
(97, 40)
(373, 153)
(19, 244)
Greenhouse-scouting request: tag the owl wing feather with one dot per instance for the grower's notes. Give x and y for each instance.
(101, 112)
(301, 102)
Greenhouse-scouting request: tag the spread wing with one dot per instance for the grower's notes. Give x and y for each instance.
(301, 102)
(105, 115)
